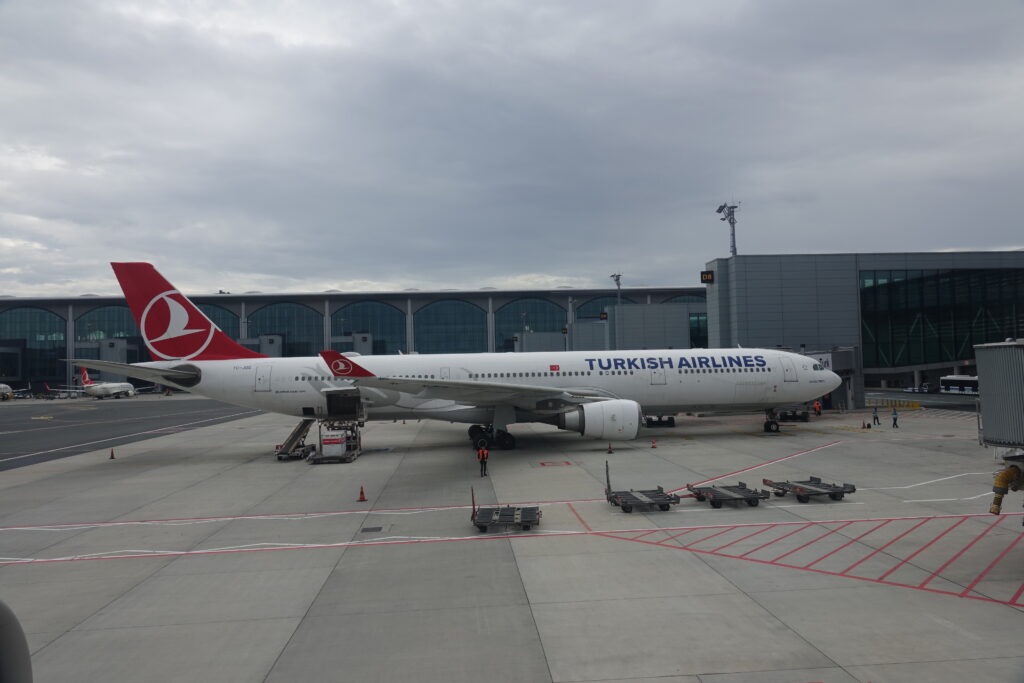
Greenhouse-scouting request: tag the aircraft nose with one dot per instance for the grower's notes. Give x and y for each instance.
(834, 380)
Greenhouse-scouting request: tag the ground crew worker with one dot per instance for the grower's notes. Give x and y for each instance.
(874, 416)
(817, 408)
(895, 415)
(481, 455)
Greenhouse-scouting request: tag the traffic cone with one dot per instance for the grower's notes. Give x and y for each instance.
(863, 424)
(362, 495)
(112, 454)
(610, 447)
(654, 443)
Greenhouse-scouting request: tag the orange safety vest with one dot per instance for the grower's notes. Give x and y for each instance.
(482, 454)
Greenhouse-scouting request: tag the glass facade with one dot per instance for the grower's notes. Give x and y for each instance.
(43, 334)
(698, 330)
(911, 317)
(385, 323)
(110, 322)
(301, 328)
(593, 308)
(450, 326)
(222, 318)
(688, 299)
(106, 322)
(538, 315)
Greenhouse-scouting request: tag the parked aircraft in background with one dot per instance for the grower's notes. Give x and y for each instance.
(7, 393)
(601, 394)
(104, 389)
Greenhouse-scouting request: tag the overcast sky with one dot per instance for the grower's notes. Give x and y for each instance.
(304, 146)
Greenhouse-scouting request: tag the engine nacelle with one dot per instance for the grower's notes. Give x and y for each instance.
(615, 420)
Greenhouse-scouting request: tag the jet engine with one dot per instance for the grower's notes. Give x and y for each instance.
(615, 420)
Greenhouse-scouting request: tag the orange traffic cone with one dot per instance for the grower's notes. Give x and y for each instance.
(112, 454)
(362, 495)
(610, 447)
(654, 443)
(863, 425)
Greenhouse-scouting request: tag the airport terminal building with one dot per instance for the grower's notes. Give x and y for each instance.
(35, 333)
(877, 319)
(898, 319)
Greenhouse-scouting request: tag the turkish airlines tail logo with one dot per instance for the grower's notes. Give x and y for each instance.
(342, 366)
(172, 326)
(85, 377)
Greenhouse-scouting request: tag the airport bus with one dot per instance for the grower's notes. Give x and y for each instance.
(958, 384)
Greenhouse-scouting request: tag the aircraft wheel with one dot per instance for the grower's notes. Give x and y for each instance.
(475, 431)
(772, 426)
(505, 441)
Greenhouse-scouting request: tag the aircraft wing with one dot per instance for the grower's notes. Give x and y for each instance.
(474, 392)
(159, 375)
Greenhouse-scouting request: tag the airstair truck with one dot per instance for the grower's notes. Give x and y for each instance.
(1001, 412)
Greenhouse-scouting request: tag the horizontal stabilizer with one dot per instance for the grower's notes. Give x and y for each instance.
(160, 375)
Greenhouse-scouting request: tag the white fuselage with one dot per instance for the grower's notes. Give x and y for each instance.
(105, 389)
(663, 382)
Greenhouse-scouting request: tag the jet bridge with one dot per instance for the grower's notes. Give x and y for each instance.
(1001, 411)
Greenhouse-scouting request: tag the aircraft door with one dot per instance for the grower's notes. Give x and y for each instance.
(788, 369)
(657, 375)
(263, 377)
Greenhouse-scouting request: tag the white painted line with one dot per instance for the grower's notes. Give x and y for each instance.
(930, 481)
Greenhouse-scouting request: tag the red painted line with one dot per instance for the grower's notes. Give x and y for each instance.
(938, 591)
(1016, 596)
(802, 526)
(994, 562)
(585, 525)
(763, 464)
(672, 538)
(962, 551)
(852, 540)
(760, 531)
(318, 546)
(652, 531)
(878, 550)
(922, 548)
(701, 540)
(827, 533)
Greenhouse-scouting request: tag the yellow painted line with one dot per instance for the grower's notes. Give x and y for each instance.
(43, 417)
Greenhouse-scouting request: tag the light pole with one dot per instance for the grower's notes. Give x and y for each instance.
(618, 303)
(728, 212)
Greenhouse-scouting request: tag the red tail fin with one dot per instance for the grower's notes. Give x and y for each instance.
(85, 376)
(343, 366)
(171, 325)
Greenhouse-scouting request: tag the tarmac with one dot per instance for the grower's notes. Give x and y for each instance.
(198, 556)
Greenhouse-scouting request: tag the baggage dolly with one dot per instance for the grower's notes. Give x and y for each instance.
(717, 495)
(641, 500)
(812, 487)
(486, 517)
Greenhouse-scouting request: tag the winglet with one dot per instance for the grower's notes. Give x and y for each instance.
(342, 366)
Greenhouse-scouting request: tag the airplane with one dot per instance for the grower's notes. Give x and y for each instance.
(103, 389)
(7, 393)
(600, 394)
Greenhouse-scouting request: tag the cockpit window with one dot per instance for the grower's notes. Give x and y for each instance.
(817, 367)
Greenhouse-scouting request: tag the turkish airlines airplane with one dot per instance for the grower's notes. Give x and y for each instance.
(600, 394)
(104, 389)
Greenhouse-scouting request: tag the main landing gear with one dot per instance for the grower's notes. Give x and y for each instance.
(487, 437)
(771, 422)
